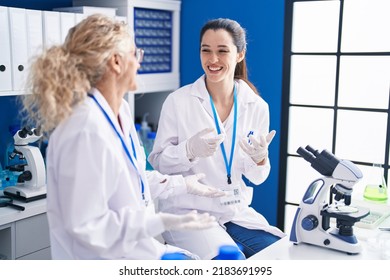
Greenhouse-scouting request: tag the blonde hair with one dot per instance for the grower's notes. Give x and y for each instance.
(61, 77)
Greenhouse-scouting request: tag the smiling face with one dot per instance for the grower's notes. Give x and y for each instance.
(219, 55)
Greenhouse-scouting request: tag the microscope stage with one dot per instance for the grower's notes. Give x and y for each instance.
(25, 194)
(345, 209)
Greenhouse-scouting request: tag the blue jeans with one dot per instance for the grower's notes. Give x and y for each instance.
(251, 241)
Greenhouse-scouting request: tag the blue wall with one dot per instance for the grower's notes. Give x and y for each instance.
(263, 20)
(264, 23)
(8, 116)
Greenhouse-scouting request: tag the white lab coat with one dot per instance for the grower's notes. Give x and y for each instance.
(188, 111)
(94, 204)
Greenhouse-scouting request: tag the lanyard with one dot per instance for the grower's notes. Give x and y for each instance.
(123, 145)
(227, 165)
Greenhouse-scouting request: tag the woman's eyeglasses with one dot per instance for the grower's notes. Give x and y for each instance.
(139, 54)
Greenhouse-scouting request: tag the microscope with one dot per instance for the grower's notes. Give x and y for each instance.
(31, 183)
(325, 198)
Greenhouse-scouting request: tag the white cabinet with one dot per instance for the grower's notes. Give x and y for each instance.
(19, 46)
(34, 32)
(67, 21)
(51, 29)
(5, 53)
(32, 240)
(156, 24)
(24, 33)
(21, 39)
(7, 250)
(25, 239)
(21, 36)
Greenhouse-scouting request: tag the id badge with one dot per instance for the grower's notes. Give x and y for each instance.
(232, 196)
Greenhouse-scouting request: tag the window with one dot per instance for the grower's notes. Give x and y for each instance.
(336, 86)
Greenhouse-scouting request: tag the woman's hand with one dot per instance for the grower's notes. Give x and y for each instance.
(257, 149)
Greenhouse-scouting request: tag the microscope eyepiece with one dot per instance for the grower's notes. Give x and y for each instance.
(24, 132)
(312, 150)
(36, 131)
(305, 154)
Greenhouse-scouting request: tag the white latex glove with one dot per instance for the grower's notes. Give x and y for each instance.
(258, 149)
(200, 146)
(189, 221)
(194, 187)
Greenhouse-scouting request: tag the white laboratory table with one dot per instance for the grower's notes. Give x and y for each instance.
(32, 208)
(284, 249)
(24, 234)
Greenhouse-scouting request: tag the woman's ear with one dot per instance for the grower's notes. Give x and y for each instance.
(115, 62)
(240, 56)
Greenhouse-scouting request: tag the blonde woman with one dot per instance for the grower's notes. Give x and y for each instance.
(99, 203)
